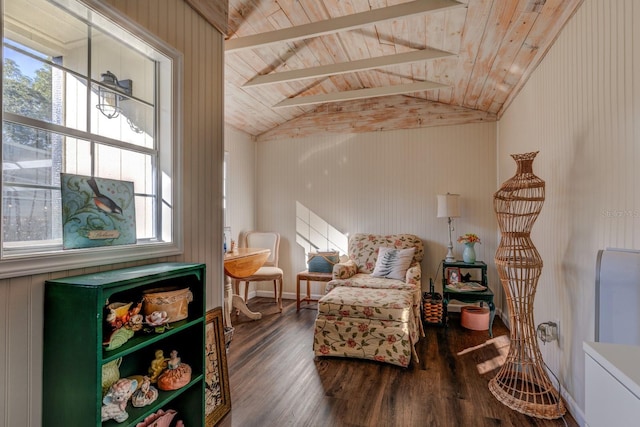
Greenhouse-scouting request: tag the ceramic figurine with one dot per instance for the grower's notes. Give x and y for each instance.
(158, 365)
(118, 338)
(176, 375)
(144, 395)
(159, 419)
(110, 374)
(135, 319)
(118, 314)
(115, 401)
(158, 320)
(124, 321)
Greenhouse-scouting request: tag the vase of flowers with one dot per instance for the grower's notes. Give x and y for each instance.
(469, 252)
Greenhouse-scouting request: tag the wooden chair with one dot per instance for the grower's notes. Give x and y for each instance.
(270, 270)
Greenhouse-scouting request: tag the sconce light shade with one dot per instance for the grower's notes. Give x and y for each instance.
(108, 97)
(448, 205)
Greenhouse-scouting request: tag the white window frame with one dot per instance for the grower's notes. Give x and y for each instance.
(169, 172)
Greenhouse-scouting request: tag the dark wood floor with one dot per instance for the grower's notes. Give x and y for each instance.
(276, 380)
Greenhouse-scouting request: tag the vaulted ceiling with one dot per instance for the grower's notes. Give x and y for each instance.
(300, 67)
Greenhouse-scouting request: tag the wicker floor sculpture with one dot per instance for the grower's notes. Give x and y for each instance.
(522, 383)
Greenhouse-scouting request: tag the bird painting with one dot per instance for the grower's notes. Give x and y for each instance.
(103, 202)
(97, 212)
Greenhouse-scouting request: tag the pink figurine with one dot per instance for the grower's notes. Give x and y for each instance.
(115, 401)
(176, 375)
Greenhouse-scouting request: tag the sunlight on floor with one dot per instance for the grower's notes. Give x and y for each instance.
(501, 345)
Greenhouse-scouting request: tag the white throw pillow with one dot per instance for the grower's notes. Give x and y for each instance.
(393, 263)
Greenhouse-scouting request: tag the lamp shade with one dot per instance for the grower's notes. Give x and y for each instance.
(448, 205)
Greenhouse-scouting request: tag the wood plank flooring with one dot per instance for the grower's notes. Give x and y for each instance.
(276, 380)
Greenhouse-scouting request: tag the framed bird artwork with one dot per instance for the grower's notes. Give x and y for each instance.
(97, 212)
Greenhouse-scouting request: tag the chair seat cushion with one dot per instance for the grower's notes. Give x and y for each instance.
(267, 272)
(366, 280)
(354, 302)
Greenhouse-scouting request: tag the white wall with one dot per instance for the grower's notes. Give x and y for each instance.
(581, 109)
(382, 182)
(242, 180)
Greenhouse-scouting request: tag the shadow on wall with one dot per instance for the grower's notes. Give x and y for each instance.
(315, 234)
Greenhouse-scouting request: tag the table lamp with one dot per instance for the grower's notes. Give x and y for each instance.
(449, 207)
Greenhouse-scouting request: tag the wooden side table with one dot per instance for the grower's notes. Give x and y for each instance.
(468, 296)
(309, 277)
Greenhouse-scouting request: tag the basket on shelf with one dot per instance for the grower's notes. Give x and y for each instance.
(432, 308)
(173, 301)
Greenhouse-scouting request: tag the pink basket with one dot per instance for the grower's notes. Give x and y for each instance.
(474, 318)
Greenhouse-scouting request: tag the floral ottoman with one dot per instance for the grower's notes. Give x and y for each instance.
(365, 323)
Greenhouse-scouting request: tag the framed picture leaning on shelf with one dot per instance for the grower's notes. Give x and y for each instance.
(217, 395)
(453, 275)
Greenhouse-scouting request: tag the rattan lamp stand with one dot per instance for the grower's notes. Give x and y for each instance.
(522, 383)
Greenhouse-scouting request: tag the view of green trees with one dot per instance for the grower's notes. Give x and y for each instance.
(29, 97)
(26, 210)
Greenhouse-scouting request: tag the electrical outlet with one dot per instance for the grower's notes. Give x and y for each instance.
(548, 331)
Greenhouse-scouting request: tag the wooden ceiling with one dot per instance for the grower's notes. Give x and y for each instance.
(300, 67)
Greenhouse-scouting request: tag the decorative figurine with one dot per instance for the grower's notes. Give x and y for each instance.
(159, 419)
(159, 320)
(177, 375)
(145, 395)
(110, 374)
(118, 338)
(158, 365)
(115, 401)
(118, 314)
(124, 321)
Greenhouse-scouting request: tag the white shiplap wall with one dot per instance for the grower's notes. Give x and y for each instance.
(242, 180)
(581, 109)
(21, 298)
(381, 182)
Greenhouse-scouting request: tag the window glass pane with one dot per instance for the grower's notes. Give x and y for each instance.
(30, 215)
(30, 156)
(48, 31)
(145, 228)
(125, 62)
(37, 90)
(120, 117)
(127, 165)
(77, 156)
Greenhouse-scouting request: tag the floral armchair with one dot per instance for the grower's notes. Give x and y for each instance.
(366, 315)
(363, 253)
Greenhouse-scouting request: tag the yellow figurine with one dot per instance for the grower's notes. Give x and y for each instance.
(158, 365)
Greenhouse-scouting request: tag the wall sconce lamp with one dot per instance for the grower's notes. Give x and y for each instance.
(108, 97)
(449, 207)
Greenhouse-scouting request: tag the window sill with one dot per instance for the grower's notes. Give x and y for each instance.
(82, 258)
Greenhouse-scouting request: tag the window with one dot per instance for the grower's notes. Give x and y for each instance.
(83, 95)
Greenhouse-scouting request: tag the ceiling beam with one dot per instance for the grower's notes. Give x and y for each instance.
(342, 23)
(348, 67)
(359, 94)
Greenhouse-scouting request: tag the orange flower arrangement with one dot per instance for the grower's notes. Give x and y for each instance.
(469, 238)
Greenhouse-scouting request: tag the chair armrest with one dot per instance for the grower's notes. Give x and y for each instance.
(414, 274)
(344, 270)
